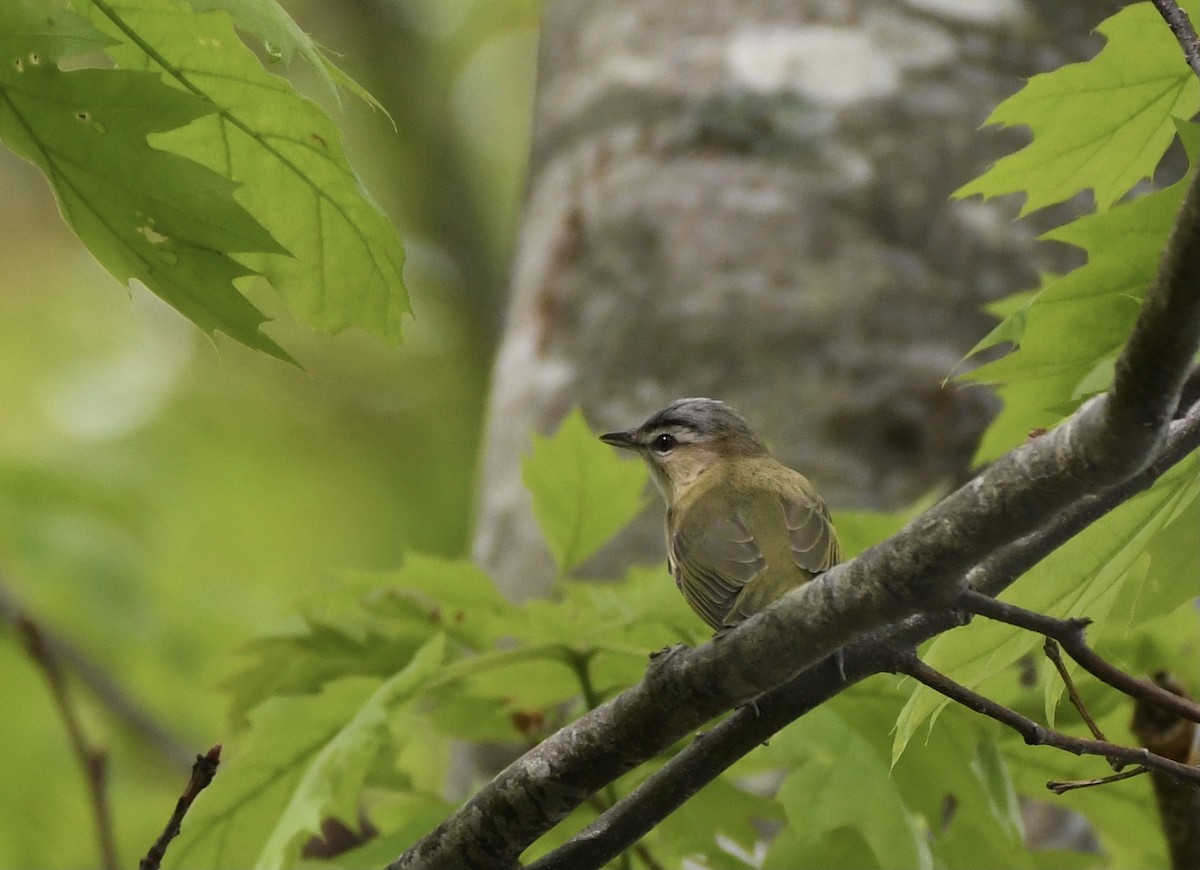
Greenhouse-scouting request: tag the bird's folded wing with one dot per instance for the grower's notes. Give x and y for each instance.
(814, 543)
(714, 557)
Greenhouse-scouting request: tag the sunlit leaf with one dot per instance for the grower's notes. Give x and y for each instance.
(990, 769)
(343, 260)
(1171, 578)
(1013, 311)
(1078, 579)
(954, 787)
(144, 213)
(306, 760)
(1103, 124)
(331, 782)
(450, 594)
(1070, 332)
(582, 491)
(368, 624)
(832, 770)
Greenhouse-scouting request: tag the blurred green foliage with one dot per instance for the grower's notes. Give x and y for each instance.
(275, 558)
(164, 499)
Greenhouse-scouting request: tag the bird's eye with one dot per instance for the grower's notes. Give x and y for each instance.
(664, 443)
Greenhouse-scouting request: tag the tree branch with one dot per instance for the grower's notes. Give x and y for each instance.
(716, 750)
(92, 759)
(1185, 34)
(114, 699)
(703, 760)
(1070, 635)
(1001, 568)
(1038, 735)
(1178, 805)
(920, 569)
(203, 771)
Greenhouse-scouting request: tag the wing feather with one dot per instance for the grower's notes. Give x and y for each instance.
(715, 558)
(814, 543)
(722, 567)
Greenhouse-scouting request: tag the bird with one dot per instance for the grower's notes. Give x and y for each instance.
(742, 529)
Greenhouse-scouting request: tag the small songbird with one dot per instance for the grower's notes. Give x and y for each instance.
(742, 529)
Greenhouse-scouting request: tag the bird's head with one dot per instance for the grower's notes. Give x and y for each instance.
(685, 439)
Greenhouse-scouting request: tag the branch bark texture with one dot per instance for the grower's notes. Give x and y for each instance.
(1168, 734)
(703, 760)
(1038, 735)
(1108, 441)
(750, 199)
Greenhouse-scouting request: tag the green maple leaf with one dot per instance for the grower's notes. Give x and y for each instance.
(192, 169)
(833, 768)
(1103, 124)
(1069, 333)
(364, 624)
(143, 212)
(582, 491)
(344, 261)
(306, 759)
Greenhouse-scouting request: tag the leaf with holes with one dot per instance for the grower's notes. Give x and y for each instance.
(344, 260)
(282, 39)
(144, 213)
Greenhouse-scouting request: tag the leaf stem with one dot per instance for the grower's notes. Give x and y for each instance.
(1050, 647)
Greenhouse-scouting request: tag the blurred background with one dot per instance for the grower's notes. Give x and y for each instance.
(748, 200)
(164, 498)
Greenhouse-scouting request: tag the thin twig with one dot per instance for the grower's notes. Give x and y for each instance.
(702, 761)
(1051, 649)
(203, 772)
(103, 687)
(1069, 633)
(1064, 787)
(93, 759)
(709, 754)
(1109, 440)
(1039, 735)
(1181, 26)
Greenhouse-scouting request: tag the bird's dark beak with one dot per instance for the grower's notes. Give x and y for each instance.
(620, 439)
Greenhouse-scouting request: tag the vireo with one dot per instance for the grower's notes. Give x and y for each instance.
(742, 529)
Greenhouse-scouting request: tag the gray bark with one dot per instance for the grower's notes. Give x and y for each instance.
(749, 200)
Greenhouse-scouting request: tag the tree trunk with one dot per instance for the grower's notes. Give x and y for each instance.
(749, 200)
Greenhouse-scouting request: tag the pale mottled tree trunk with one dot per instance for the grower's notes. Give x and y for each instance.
(749, 200)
